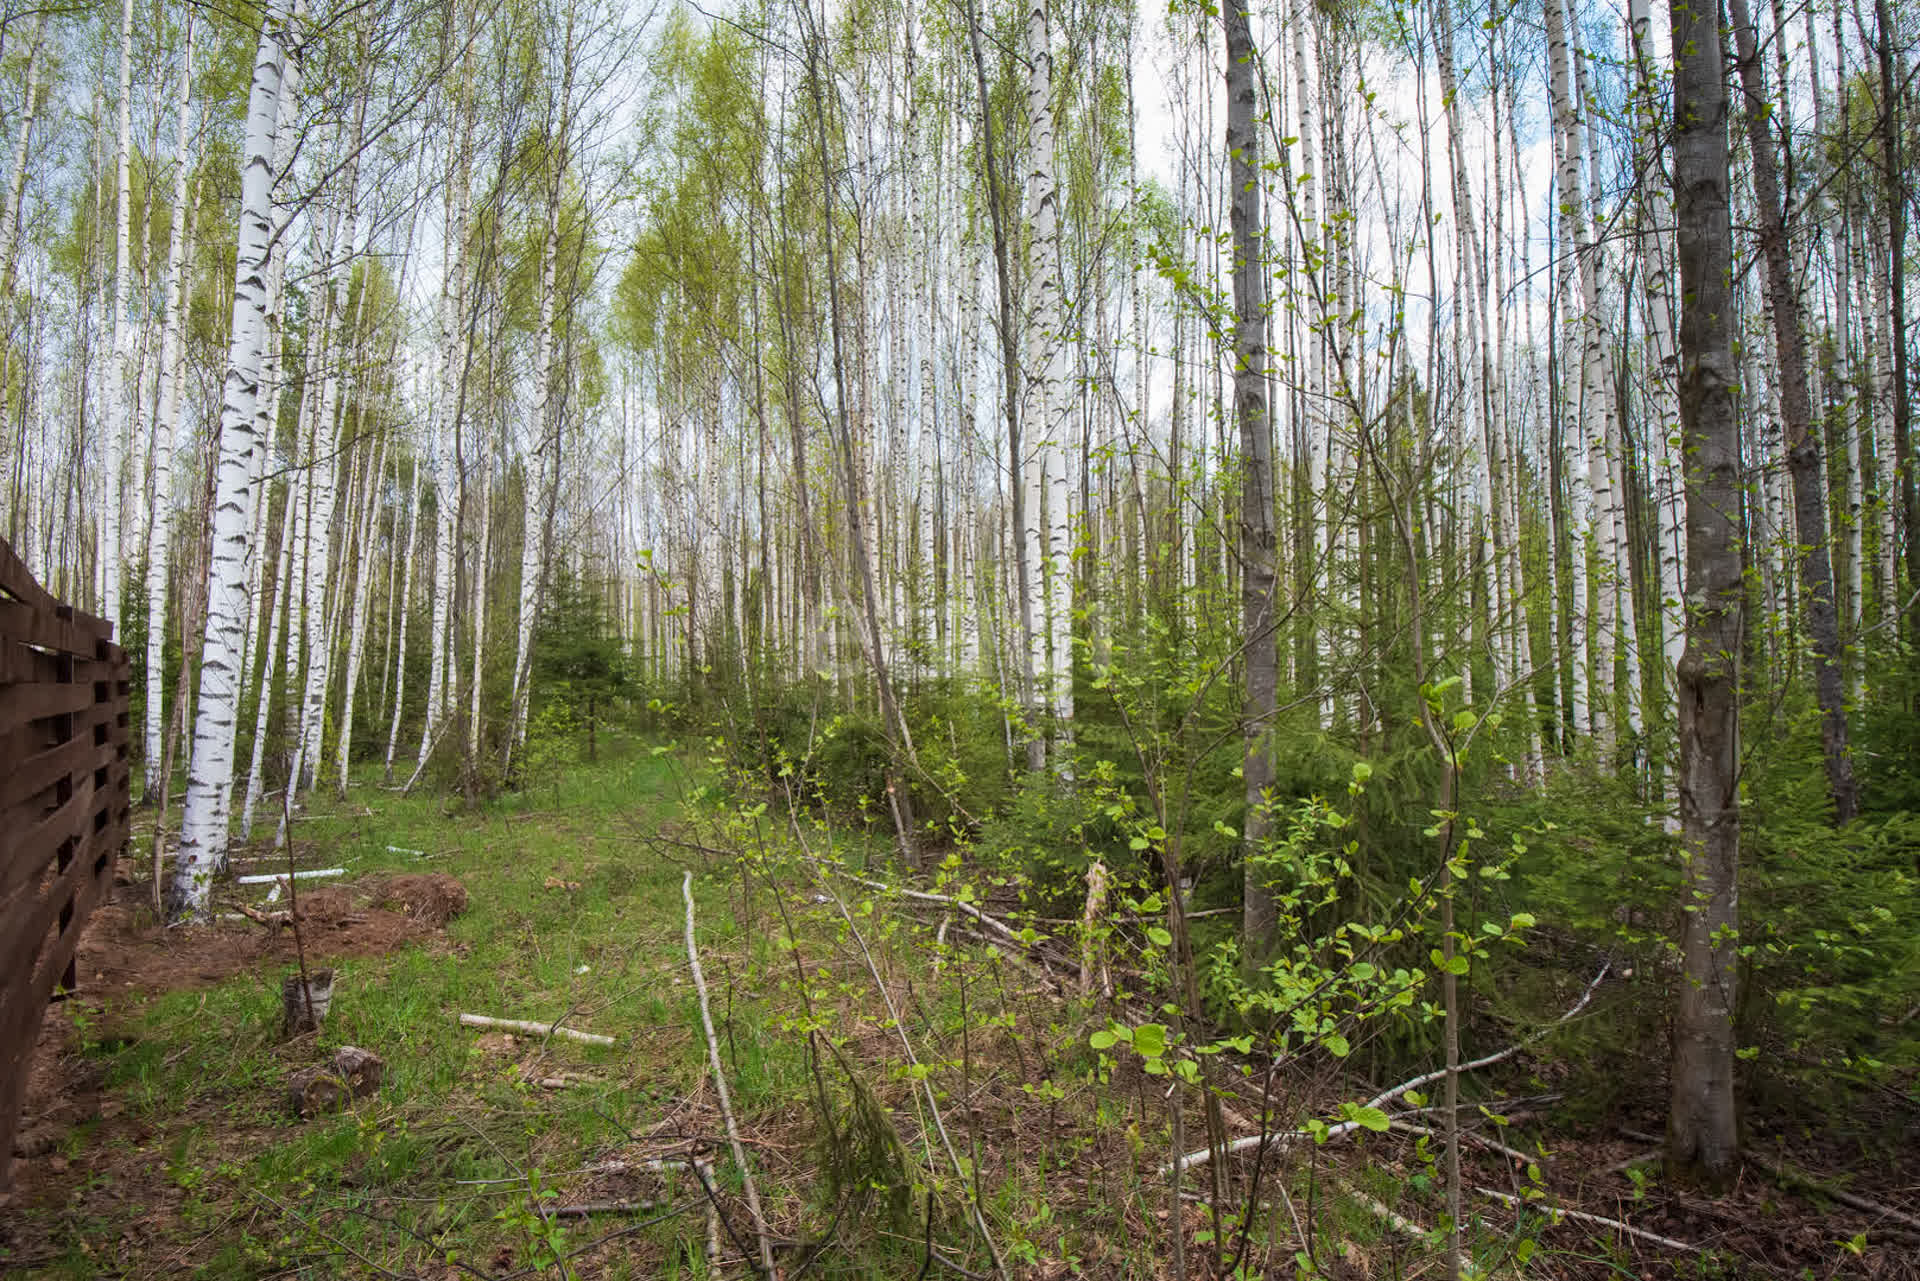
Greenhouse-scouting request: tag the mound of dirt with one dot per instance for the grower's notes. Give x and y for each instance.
(124, 950)
(433, 898)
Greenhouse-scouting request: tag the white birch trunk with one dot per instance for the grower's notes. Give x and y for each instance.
(272, 656)
(446, 426)
(542, 458)
(204, 813)
(27, 462)
(1662, 363)
(1049, 533)
(122, 381)
(357, 613)
(405, 609)
(166, 415)
(1587, 715)
(1886, 484)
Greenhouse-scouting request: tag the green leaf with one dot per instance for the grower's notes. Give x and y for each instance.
(1336, 1045)
(1102, 1040)
(1150, 1039)
(1159, 936)
(1366, 1118)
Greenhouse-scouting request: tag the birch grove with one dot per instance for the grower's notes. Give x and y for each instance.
(984, 390)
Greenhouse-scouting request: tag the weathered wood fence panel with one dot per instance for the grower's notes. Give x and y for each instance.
(65, 803)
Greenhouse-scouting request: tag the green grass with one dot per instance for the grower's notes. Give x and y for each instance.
(201, 1071)
(444, 1161)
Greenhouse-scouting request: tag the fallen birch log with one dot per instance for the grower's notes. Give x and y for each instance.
(268, 878)
(529, 1028)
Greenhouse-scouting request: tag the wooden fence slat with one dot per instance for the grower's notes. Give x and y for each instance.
(26, 847)
(33, 775)
(18, 579)
(49, 631)
(38, 702)
(24, 923)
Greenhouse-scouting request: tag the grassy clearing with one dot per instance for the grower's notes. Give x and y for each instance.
(895, 1092)
(568, 917)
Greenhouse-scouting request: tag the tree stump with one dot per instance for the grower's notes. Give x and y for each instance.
(353, 1073)
(305, 1012)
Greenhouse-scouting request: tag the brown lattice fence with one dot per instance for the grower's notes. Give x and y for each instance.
(64, 805)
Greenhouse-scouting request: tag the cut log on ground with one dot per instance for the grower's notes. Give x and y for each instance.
(529, 1028)
(268, 878)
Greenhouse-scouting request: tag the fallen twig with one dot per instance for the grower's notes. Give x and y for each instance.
(534, 1029)
(586, 1208)
(1787, 1176)
(1248, 1144)
(944, 900)
(1385, 1213)
(1599, 1220)
(1469, 1136)
(720, 1084)
(899, 1031)
(272, 920)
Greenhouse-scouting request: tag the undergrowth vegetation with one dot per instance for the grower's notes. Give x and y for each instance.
(1047, 1051)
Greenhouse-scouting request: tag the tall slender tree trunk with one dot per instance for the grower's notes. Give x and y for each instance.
(357, 621)
(1803, 443)
(891, 713)
(1592, 648)
(1259, 595)
(166, 415)
(1703, 1141)
(123, 395)
(1023, 569)
(1048, 528)
(1897, 196)
(1662, 365)
(273, 654)
(22, 486)
(446, 415)
(404, 610)
(204, 814)
(542, 460)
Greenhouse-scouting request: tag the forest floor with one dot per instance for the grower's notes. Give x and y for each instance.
(158, 1139)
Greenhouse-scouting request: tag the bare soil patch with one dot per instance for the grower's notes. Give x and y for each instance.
(125, 950)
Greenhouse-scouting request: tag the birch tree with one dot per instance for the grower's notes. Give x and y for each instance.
(204, 813)
(166, 417)
(1259, 590)
(122, 377)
